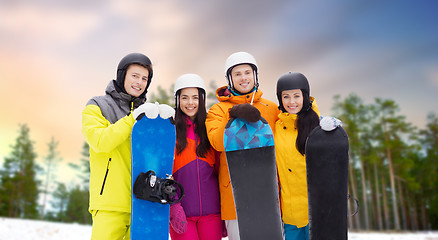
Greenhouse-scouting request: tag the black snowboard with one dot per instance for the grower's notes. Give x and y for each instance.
(327, 183)
(251, 162)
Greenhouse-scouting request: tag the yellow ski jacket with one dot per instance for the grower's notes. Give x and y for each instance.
(107, 129)
(291, 167)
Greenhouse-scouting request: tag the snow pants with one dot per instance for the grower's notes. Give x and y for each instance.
(200, 228)
(109, 225)
(232, 229)
(291, 232)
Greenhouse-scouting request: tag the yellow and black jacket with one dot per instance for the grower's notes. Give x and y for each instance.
(106, 126)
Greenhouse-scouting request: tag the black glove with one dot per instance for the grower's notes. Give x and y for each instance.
(245, 111)
(148, 186)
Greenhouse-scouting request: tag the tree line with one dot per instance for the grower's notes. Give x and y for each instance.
(392, 171)
(393, 166)
(23, 182)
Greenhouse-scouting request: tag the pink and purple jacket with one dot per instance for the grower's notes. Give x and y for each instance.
(198, 177)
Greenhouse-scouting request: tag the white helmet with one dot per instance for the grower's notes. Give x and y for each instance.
(239, 58)
(189, 80)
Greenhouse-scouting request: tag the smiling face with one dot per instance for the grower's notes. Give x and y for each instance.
(243, 78)
(189, 102)
(136, 80)
(292, 100)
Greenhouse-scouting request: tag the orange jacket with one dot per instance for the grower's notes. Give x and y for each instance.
(217, 118)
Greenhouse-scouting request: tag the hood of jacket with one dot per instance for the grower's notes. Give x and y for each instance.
(123, 97)
(116, 104)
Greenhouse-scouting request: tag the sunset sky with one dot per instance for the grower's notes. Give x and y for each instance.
(55, 55)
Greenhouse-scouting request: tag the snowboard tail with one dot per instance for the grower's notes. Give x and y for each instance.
(327, 182)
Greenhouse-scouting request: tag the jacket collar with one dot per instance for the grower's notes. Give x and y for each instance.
(123, 98)
(224, 95)
(288, 119)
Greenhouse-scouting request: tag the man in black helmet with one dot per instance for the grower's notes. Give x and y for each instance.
(107, 122)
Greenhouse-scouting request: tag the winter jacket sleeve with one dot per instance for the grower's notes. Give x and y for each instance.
(101, 135)
(217, 118)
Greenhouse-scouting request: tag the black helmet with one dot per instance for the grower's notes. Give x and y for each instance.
(290, 81)
(133, 58)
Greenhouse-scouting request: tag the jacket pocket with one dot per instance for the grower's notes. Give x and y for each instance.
(106, 175)
(227, 184)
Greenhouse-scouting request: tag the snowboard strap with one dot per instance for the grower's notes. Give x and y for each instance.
(149, 187)
(357, 205)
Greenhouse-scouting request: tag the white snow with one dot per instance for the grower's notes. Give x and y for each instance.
(14, 229)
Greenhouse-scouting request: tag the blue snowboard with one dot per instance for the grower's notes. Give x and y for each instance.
(251, 162)
(153, 147)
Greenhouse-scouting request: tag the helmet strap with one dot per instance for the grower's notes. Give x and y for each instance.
(230, 82)
(256, 80)
(176, 101)
(252, 99)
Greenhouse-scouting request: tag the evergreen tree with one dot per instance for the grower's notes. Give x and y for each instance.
(163, 96)
(19, 186)
(211, 95)
(427, 170)
(60, 199)
(390, 129)
(77, 208)
(49, 166)
(83, 167)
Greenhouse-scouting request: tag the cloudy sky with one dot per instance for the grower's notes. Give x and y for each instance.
(55, 55)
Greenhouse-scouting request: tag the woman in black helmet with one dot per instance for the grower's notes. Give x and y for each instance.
(106, 125)
(299, 116)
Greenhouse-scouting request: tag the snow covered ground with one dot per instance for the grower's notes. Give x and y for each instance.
(12, 229)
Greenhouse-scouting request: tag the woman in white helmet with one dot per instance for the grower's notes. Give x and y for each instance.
(241, 98)
(194, 166)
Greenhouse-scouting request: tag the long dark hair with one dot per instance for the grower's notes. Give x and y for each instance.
(307, 120)
(199, 124)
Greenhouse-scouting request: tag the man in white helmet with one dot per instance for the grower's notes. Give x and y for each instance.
(242, 98)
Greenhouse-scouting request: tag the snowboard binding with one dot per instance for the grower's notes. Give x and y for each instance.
(149, 187)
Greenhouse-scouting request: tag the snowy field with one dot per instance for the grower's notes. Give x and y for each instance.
(14, 229)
